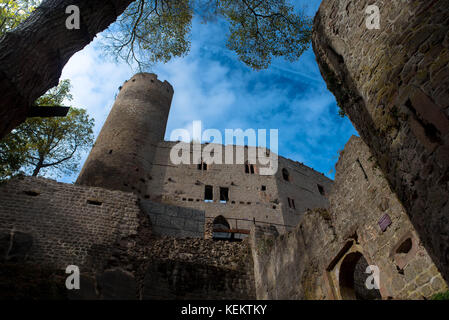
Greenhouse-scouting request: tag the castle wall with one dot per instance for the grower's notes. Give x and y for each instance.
(199, 269)
(46, 226)
(392, 82)
(56, 224)
(302, 187)
(171, 268)
(313, 256)
(184, 185)
(174, 221)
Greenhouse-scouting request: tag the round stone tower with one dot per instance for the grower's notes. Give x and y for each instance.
(123, 153)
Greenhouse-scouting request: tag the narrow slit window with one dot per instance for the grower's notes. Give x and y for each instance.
(291, 203)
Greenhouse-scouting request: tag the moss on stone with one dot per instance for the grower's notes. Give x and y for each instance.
(440, 296)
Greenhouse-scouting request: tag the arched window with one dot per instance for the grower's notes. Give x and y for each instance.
(285, 174)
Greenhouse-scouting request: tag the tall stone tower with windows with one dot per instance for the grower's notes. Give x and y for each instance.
(122, 156)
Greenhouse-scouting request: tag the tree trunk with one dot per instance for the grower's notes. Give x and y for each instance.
(33, 55)
(38, 166)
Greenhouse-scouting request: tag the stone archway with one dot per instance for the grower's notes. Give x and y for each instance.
(352, 278)
(221, 229)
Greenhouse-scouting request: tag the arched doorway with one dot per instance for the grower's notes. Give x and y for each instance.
(352, 279)
(221, 229)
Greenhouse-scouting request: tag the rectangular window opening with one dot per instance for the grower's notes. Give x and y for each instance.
(224, 195)
(31, 193)
(94, 202)
(321, 190)
(208, 193)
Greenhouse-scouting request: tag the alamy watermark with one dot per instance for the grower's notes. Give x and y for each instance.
(217, 152)
(73, 280)
(373, 280)
(373, 19)
(73, 20)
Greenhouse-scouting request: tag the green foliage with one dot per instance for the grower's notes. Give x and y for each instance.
(261, 30)
(13, 12)
(47, 145)
(441, 296)
(158, 30)
(150, 31)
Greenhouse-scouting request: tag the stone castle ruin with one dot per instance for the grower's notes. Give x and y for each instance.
(140, 227)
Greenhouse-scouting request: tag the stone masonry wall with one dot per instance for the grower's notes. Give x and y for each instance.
(393, 84)
(169, 268)
(198, 269)
(183, 185)
(58, 224)
(174, 221)
(46, 226)
(313, 256)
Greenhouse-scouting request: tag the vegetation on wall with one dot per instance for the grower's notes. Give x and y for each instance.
(47, 145)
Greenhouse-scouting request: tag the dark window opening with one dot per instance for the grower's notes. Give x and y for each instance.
(285, 174)
(94, 202)
(31, 193)
(291, 203)
(321, 190)
(110, 151)
(208, 193)
(264, 188)
(202, 166)
(224, 195)
(405, 246)
(249, 168)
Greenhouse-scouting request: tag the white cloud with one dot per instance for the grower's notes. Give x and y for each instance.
(211, 85)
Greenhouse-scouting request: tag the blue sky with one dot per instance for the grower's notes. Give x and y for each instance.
(213, 86)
